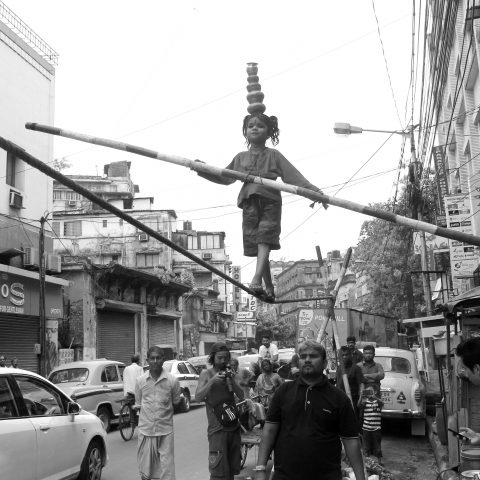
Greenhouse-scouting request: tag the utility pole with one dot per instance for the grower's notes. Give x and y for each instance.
(41, 309)
(417, 202)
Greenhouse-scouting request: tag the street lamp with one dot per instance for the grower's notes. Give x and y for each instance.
(347, 129)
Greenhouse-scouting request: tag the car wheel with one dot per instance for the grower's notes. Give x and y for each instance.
(186, 403)
(106, 418)
(92, 463)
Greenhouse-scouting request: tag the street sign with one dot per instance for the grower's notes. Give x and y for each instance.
(213, 305)
(244, 315)
(252, 304)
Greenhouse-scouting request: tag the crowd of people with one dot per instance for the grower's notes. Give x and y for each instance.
(13, 362)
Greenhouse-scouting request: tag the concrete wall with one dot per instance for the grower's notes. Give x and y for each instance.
(27, 96)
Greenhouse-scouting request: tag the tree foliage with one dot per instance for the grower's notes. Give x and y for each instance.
(277, 329)
(384, 261)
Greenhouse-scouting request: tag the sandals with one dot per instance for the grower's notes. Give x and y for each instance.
(267, 294)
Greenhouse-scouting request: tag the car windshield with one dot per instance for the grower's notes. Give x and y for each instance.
(394, 364)
(69, 375)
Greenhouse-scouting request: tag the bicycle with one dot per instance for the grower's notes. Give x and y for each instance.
(127, 419)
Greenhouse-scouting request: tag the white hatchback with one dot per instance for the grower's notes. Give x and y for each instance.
(44, 434)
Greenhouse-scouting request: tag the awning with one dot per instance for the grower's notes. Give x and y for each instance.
(466, 300)
(422, 319)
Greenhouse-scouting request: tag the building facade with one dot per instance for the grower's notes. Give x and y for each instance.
(28, 328)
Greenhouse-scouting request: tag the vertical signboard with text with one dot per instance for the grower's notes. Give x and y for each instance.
(237, 292)
(463, 257)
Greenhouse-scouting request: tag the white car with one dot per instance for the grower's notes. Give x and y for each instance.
(97, 385)
(44, 434)
(402, 389)
(187, 375)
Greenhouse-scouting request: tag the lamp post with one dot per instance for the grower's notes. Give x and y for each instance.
(347, 129)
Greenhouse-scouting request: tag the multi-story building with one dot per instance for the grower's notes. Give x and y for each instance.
(27, 83)
(304, 279)
(210, 247)
(454, 152)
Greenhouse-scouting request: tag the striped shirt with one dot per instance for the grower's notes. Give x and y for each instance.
(372, 415)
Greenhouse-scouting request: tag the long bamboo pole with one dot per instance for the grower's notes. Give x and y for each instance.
(39, 165)
(304, 192)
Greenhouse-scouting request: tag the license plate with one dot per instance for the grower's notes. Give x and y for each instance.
(386, 398)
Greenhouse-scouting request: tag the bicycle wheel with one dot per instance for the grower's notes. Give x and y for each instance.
(243, 453)
(125, 424)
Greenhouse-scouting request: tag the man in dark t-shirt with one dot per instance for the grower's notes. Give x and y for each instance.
(307, 421)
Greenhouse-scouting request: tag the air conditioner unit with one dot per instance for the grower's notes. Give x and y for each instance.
(72, 203)
(54, 263)
(31, 257)
(207, 256)
(143, 237)
(16, 199)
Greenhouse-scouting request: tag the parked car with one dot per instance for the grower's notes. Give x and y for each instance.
(402, 389)
(188, 378)
(285, 355)
(44, 434)
(199, 363)
(97, 385)
(244, 361)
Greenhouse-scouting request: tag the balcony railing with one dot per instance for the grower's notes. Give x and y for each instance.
(19, 27)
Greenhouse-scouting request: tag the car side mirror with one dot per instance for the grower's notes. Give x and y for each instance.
(73, 409)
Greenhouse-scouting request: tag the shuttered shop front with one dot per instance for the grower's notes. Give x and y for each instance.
(116, 336)
(18, 336)
(161, 331)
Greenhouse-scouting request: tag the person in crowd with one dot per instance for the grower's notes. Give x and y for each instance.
(354, 374)
(357, 355)
(234, 365)
(294, 367)
(130, 375)
(267, 382)
(14, 363)
(217, 387)
(156, 391)
(255, 371)
(371, 406)
(372, 371)
(307, 422)
(268, 350)
(469, 352)
(3, 361)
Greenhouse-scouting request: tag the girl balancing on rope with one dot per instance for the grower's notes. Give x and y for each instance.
(262, 206)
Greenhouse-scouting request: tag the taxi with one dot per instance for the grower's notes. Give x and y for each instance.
(402, 389)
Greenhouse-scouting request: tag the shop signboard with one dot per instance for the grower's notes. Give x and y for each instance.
(19, 295)
(464, 258)
(244, 316)
(237, 292)
(213, 305)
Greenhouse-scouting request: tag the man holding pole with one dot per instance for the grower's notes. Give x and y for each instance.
(307, 422)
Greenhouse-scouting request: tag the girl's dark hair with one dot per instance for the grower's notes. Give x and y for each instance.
(270, 122)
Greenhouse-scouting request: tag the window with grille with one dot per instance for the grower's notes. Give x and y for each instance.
(209, 241)
(11, 168)
(56, 228)
(72, 229)
(147, 259)
(105, 223)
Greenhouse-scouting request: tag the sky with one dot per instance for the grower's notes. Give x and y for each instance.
(170, 76)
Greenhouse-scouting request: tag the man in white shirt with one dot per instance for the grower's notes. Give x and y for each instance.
(130, 375)
(268, 350)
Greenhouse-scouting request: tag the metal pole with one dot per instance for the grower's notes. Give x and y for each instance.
(304, 192)
(418, 207)
(41, 296)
